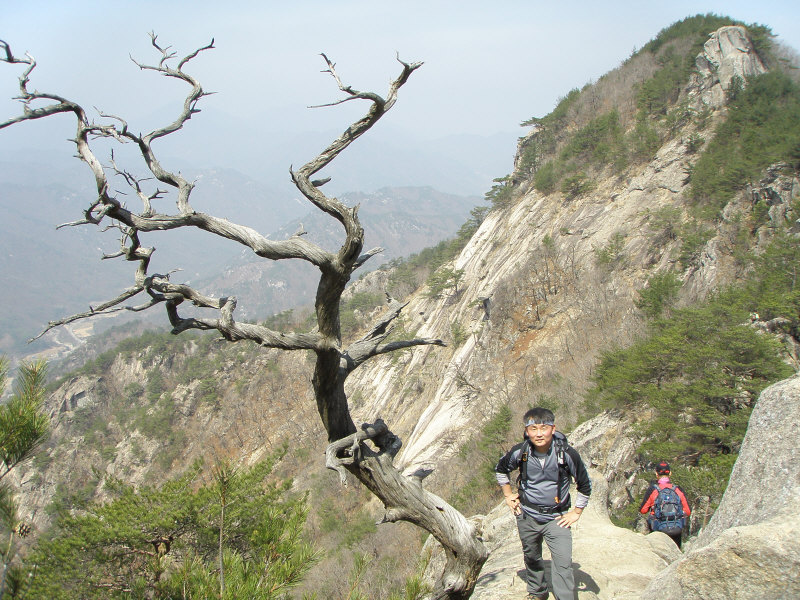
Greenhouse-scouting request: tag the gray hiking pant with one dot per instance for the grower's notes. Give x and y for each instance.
(559, 541)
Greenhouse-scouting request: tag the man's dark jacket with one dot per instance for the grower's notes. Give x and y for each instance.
(539, 491)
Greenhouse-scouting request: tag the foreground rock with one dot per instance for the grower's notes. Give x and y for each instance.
(609, 562)
(751, 547)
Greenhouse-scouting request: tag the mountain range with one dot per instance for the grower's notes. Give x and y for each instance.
(37, 259)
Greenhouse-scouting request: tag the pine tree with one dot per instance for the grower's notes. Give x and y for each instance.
(237, 536)
(22, 427)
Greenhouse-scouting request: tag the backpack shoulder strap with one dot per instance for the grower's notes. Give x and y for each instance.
(564, 474)
(562, 450)
(523, 464)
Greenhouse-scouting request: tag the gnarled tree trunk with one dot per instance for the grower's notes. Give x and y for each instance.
(367, 452)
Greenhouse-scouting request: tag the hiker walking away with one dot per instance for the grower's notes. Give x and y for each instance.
(547, 464)
(666, 504)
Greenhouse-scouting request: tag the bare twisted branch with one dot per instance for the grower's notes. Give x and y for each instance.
(371, 344)
(366, 256)
(106, 308)
(106, 206)
(302, 177)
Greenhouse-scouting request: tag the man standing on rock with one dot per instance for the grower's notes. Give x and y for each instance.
(542, 503)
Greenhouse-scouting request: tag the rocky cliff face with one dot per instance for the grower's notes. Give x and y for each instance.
(156, 410)
(549, 282)
(538, 305)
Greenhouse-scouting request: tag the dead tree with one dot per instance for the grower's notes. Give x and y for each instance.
(367, 451)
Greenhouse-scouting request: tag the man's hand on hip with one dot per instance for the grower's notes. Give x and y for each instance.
(512, 501)
(569, 518)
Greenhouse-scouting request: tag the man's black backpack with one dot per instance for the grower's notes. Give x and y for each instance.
(668, 512)
(560, 445)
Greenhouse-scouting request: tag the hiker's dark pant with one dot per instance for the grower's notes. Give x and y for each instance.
(676, 537)
(559, 541)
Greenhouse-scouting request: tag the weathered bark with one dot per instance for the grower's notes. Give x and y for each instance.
(404, 497)
(406, 500)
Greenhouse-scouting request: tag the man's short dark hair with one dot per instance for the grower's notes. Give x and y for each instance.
(539, 416)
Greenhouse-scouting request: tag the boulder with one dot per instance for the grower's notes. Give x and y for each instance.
(751, 547)
(607, 443)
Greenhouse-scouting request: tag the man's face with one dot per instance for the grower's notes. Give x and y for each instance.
(541, 436)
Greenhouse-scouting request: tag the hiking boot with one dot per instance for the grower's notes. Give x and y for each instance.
(537, 596)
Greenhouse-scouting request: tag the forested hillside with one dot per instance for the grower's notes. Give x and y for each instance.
(639, 262)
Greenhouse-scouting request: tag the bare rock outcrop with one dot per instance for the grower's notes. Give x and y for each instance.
(592, 309)
(728, 53)
(751, 547)
(607, 443)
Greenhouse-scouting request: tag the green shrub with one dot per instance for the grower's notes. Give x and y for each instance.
(693, 236)
(665, 222)
(599, 142)
(208, 391)
(282, 321)
(358, 528)
(443, 280)
(133, 390)
(108, 453)
(482, 453)
(349, 528)
(702, 384)
(694, 143)
(576, 185)
(112, 550)
(611, 253)
(155, 385)
(700, 370)
(533, 151)
(546, 178)
(500, 195)
(408, 274)
(468, 229)
(459, 333)
(658, 93)
(643, 141)
(762, 128)
(659, 295)
(773, 288)
(364, 301)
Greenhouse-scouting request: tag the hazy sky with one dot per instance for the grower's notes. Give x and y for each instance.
(488, 66)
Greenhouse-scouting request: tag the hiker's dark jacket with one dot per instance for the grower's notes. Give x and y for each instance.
(539, 494)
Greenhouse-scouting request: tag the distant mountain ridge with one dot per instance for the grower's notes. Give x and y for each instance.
(36, 259)
(401, 220)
